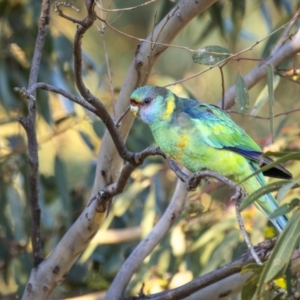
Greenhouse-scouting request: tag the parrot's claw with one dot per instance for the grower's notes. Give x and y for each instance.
(207, 180)
(195, 180)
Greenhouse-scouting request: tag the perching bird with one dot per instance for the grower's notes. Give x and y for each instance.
(202, 136)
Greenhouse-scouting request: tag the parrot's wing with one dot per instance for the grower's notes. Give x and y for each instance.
(219, 131)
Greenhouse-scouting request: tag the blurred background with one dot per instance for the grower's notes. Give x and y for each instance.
(206, 236)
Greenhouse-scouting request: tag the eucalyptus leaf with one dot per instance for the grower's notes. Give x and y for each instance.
(250, 286)
(251, 267)
(266, 13)
(43, 106)
(264, 96)
(285, 189)
(148, 213)
(16, 208)
(242, 96)
(62, 186)
(282, 159)
(269, 188)
(279, 296)
(281, 254)
(87, 140)
(285, 208)
(270, 80)
(210, 55)
(98, 127)
(238, 8)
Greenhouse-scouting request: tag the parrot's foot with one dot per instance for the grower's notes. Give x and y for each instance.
(195, 180)
(194, 183)
(239, 194)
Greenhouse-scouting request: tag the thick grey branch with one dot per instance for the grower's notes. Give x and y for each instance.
(146, 246)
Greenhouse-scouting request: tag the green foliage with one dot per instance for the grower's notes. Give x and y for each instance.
(263, 97)
(281, 255)
(250, 285)
(275, 186)
(210, 55)
(285, 208)
(270, 80)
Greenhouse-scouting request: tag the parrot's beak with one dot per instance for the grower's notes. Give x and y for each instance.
(134, 110)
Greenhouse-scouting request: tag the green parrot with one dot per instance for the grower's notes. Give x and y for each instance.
(202, 136)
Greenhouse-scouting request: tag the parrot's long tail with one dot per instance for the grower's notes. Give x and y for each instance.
(267, 204)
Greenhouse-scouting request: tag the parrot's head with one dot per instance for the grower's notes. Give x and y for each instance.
(152, 104)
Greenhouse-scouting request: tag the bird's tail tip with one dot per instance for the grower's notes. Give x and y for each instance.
(280, 222)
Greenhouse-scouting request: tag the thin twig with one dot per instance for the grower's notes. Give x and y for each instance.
(194, 182)
(283, 53)
(230, 111)
(237, 197)
(118, 123)
(61, 13)
(99, 110)
(124, 9)
(286, 34)
(57, 90)
(232, 56)
(144, 40)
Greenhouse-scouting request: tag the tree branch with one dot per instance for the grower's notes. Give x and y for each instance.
(28, 124)
(146, 246)
(263, 250)
(57, 90)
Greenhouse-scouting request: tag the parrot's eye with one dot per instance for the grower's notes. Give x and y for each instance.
(147, 100)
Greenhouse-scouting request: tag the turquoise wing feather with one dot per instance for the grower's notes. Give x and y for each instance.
(220, 131)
